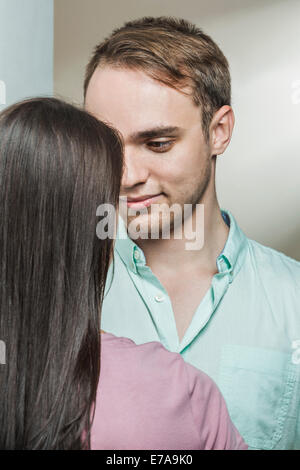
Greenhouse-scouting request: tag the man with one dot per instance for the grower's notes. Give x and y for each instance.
(230, 306)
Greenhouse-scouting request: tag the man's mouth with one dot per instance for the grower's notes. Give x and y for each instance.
(142, 201)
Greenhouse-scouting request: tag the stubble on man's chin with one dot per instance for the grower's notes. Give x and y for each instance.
(150, 225)
(175, 222)
(162, 225)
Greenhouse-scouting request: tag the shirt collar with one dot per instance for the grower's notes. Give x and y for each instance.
(233, 254)
(129, 252)
(229, 261)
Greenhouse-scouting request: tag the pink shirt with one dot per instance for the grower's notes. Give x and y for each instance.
(149, 398)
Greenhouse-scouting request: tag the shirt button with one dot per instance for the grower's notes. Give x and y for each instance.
(136, 255)
(159, 298)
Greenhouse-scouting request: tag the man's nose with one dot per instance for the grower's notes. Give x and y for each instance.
(135, 169)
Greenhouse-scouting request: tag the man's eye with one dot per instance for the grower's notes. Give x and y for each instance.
(160, 146)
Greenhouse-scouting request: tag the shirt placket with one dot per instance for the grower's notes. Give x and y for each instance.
(156, 300)
(209, 303)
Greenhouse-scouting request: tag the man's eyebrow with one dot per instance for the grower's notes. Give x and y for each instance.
(159, 131)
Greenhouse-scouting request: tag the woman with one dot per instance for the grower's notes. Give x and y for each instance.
(57, 165)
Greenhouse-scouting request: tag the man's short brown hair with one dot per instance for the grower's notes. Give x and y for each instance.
(174, 52)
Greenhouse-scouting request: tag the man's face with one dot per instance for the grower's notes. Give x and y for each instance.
(167, 159)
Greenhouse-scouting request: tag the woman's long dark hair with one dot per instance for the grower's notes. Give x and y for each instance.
(57, 165)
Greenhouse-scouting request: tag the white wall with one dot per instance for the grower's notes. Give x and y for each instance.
(258, 178)
(26, 49)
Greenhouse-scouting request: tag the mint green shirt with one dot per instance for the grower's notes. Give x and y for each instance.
(245, 333)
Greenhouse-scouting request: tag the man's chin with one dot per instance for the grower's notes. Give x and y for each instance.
(140, 227)
(153, 223)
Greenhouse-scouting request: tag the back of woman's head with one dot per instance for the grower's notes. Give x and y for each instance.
(57, 165)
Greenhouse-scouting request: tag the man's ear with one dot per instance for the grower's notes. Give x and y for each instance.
(220, 130)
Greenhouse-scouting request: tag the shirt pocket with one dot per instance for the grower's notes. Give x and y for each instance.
(258, 386)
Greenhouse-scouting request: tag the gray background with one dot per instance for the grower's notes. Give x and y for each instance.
(26, 49)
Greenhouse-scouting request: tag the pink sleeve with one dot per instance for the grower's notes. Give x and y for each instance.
(216, 430)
